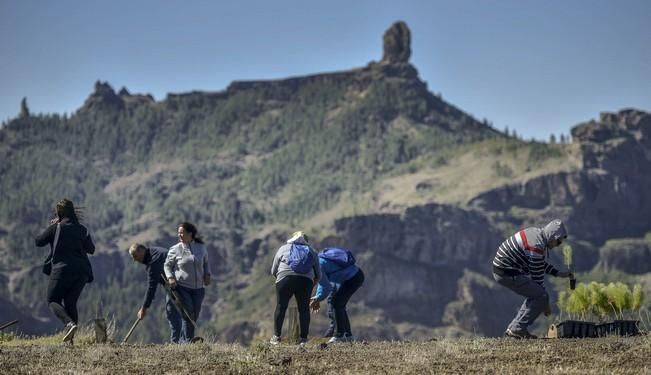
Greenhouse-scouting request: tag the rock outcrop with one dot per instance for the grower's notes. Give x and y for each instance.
(103, 98)
(397, 44)
(626, 123)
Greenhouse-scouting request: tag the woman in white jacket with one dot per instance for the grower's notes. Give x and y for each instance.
(187, 270)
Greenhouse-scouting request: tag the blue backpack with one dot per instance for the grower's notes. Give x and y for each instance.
(341, 257)
(301, 258)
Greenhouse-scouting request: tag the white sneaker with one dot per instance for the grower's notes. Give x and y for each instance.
(275, 340)
(335, 339)
(70, 333)
(519, 335)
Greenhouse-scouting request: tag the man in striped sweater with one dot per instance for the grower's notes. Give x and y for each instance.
(521, 264)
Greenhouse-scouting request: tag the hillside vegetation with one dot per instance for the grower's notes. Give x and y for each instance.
(368, 158)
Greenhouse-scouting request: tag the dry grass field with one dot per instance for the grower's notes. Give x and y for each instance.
(612, 355)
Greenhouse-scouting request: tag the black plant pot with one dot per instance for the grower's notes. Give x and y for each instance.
(618, 328)
(581, 329)
(604, 329)
(572, 328)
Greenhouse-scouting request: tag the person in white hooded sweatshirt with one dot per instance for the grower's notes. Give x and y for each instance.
(521, 264)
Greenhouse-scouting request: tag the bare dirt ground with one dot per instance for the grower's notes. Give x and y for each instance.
(613, 355)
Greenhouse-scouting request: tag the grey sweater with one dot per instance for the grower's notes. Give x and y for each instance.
(187, 264)
(280, 267)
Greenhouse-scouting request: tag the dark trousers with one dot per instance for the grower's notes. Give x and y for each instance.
(332, 326)
(174, 319)
(340, 299)
(534, 304)
(192, 299)
(300, 287)
(62, 295)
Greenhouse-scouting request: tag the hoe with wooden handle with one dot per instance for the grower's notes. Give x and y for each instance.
(131, 330)
(9, 324)
(176, 300)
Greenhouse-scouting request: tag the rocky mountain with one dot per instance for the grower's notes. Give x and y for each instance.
(368, 159)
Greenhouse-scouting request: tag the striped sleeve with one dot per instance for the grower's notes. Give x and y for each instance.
(550, 269)
(537, 270)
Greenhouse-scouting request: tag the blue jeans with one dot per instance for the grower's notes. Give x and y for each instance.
(174, 319)
(192, 299)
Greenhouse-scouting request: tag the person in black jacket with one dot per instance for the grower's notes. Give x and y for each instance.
(69, 268)
(154, 260)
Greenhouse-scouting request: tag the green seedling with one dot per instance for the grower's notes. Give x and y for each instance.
(614, 300)
(567, 255)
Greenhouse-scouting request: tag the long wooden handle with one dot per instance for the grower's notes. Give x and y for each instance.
(8, 324)
(176, 300)
(131, 330)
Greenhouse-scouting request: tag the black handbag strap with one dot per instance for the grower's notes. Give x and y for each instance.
(56, 240)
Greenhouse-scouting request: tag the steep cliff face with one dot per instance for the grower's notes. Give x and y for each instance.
(626, 255)
(413, 261)
(609, 196)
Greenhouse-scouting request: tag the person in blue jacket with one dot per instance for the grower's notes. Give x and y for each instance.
(154, 260)
(338, 272)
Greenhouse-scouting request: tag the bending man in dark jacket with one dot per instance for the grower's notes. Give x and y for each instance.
(154, 260)
(521, 264)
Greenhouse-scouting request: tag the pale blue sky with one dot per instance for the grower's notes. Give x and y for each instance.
(536, 66)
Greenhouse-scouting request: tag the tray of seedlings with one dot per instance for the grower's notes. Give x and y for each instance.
(597, 309)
